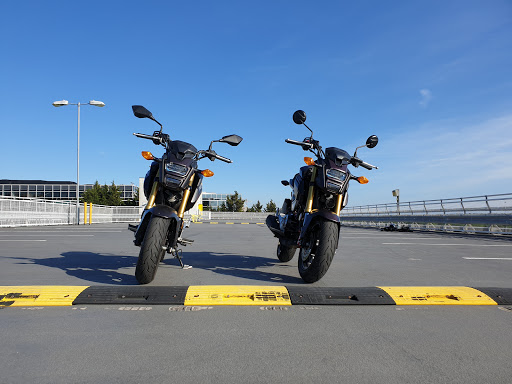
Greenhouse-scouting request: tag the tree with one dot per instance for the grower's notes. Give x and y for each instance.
(271, 206)
(114, 195)
(92, 195)
(256, 207)
(103, 195)
(234, 203)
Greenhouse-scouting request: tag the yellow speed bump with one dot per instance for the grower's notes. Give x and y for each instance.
(438, 296)
(43, 296)
(237, 295)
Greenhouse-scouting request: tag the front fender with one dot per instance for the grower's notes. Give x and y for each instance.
(162, 211)
(311, 217)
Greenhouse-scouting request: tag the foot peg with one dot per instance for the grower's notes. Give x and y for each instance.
(184, 241)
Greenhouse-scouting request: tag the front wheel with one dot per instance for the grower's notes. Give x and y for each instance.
(318, 250)
(285, 253)
(152, 250)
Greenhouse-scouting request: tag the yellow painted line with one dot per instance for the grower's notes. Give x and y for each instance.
(197, 222)
(260, 223)
(38, 296)
(213, 222)
(237, 295)
(230, 223)
(438, 296)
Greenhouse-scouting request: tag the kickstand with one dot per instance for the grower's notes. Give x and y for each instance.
(177, 253)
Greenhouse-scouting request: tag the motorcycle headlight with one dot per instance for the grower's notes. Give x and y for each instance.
(336, 174)
(170, 182)
(335, 188)
(176, 168)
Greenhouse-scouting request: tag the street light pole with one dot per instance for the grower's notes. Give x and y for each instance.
(396, 193)
(61, 104)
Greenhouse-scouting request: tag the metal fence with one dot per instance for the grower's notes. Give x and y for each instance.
(490, 204)
(16, 212)
(475, 214)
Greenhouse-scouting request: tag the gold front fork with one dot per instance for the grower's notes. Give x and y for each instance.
(309, 203)
(152, 196)
(338, 204)
(186, 195)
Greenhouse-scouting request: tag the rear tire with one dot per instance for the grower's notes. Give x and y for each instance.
(285, 253)
(318, 250)
(152, 250)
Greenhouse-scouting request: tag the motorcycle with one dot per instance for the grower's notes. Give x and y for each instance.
(310, 220)
(173, 185)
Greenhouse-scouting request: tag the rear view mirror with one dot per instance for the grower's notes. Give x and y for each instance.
(299, 117)
(372, 141)
(141, 112)
(232, 140)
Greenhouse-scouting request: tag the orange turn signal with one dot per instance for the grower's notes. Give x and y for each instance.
(207, 173)
(362, 180)
(147, 155)
(309, 161)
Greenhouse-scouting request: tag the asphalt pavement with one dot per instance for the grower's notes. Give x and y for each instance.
(257, 344)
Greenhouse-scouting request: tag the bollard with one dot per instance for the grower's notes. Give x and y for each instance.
(85, 213)
(90, 213)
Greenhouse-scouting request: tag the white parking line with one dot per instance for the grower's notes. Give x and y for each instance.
(57, 231)
(487, 258)
(453, 245)
(384, 237)
(47, 235)
(23, 240)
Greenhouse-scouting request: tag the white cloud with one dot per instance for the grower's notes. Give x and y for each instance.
(426, 96)
(443, 159)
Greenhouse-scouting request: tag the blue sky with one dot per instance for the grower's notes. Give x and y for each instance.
(432, 79)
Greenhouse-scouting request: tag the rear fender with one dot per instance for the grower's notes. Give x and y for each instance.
(312, 217)
(164, 212)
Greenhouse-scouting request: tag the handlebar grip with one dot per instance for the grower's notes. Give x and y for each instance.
(222, 158)
(367, 166)
(304, 145)
(149, 137)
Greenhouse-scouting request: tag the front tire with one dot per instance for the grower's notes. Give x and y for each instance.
(318, 250)
(285, 253)
(152, 250)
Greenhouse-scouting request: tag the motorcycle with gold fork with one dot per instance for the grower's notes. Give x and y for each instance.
(310, 220)
(173, 185)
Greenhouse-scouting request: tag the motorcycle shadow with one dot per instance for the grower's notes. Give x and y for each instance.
(241, 266)
(93, 267)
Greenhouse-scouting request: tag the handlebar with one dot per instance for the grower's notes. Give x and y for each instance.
(301, 143)
(222, 158)
(143, 136)
(212, 155)
(368, 166)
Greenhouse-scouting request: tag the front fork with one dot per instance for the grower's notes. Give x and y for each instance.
(181, 213)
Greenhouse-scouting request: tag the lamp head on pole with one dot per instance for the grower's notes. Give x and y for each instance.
(60, 103)
(97, 103)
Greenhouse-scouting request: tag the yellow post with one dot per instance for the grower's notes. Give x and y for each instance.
(90, 213)
(85, 213)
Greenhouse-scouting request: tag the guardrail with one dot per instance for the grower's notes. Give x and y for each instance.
(476, 214)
